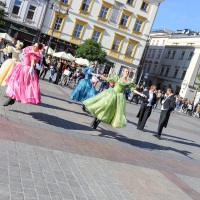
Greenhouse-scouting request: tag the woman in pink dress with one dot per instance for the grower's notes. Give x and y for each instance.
(22, 83)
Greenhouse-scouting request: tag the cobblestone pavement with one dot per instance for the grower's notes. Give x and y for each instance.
(48, 151)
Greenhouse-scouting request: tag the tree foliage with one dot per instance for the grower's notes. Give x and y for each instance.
(198, 76)
(92, 51)
(2, 10)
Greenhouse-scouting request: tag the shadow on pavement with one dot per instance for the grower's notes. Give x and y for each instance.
(63, 109)
(142, 144)
(62, 99)
(56, 121)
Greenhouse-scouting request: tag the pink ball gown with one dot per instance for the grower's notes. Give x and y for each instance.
(20, 85)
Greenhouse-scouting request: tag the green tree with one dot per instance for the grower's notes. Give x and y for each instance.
(92, 51)
(2, 10)
(198, 76)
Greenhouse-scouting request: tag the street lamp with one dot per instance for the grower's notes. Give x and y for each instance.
(54, 7)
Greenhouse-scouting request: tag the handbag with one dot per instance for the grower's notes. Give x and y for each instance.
(67, 72)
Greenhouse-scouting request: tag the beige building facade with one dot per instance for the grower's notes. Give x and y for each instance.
(122, 28)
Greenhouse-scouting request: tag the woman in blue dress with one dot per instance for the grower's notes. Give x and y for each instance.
(85, 88)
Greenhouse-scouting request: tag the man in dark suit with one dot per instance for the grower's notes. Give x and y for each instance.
(167, 106)
(40, 64)
(146, 107)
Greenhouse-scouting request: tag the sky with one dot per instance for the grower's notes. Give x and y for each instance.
(178, 15)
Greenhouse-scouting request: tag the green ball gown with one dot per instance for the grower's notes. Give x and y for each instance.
(109, 106)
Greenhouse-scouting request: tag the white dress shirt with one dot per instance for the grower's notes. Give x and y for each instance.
(150, 98)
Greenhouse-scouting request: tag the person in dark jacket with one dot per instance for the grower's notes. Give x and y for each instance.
(168, 104)
(146, 107)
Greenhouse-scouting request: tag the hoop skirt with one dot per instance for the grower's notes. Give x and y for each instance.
(9, 64)
(21, 86)
(109, 106)
(6, 69)
(85, 88)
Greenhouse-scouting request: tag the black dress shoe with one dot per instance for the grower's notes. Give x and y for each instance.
(158, 136)
(94, 124)
(10, 101)
(83, 108)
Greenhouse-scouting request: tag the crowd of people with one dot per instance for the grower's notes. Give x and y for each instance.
(21, 76)
(182, 105)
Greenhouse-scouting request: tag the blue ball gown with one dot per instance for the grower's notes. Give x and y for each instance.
(84, 89)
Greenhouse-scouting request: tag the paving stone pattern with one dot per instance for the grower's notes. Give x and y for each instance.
(48, 151)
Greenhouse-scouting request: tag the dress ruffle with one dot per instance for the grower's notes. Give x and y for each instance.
(83, 91)
(109, 107)
(22, 86)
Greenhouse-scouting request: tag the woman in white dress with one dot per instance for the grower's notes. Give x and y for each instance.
(9, 64)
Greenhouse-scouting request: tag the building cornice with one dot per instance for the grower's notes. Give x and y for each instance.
(156, 2)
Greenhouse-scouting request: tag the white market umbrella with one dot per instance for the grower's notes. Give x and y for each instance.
(6, 36)
(82, 61)
(63, 55)
(50, 50)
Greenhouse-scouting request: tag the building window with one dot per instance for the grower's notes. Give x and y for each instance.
(162, 70)
(31, 12)
(175, 73)
(16, 7)
(65, 1)
(77, 31)
(154, 69)
(157, 42)
(130, 2)
(144, 6)
(149, 68)
(190, 55)
(85, 5)
(130, 49)
(138, 25)
(153, 53)
(159, 53)
(163, 43)
(116, 44)
(173, 54)
(103, 12)
(168, 54)
(167, 72)
(58, 23)
(182, 55)
(149, 53)
(97, 33)
(124, 20)
(183, 74)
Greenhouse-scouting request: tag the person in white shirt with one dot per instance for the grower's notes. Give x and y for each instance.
(168, 104)
(146, 107)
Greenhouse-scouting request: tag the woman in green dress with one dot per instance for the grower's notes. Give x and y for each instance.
(109, 106)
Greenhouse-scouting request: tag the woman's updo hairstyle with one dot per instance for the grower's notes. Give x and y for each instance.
(40, 46)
